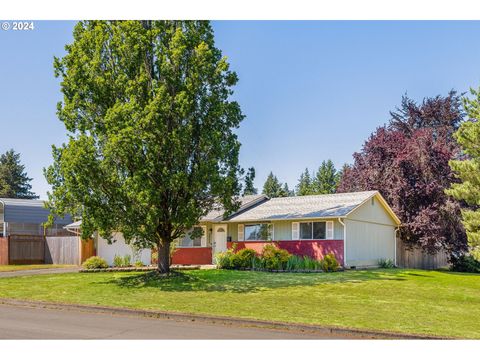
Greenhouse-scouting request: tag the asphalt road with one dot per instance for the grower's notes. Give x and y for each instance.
(19, 322)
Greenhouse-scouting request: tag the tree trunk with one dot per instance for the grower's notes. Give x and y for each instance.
(163, 256)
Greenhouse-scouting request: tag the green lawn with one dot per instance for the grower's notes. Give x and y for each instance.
(409, 301)
(4, 268)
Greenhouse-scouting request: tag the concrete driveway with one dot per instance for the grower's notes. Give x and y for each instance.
(19, 322)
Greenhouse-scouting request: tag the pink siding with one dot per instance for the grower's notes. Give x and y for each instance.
(313, 248)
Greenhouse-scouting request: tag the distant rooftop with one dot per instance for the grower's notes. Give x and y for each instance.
(27, 211)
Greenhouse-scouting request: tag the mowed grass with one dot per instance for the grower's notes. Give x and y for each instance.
(4, 268)
(408, 301)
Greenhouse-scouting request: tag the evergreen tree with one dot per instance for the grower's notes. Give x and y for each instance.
(14, 182)
(326, 179)
(249, 188)
(287, 191)
(272, 187)
(305, 186)
(467, 169)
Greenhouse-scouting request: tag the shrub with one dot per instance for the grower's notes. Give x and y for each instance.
(311, 264)
(224, 259)
(274, 258)
(138, 263)
(294, 263)
(117, 261)
(95, 262)
(386, 263)
(127, 259)
(257, 263)
(243, 259)
(465, 263)
(329, 263)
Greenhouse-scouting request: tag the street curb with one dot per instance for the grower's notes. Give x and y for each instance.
(224, 320)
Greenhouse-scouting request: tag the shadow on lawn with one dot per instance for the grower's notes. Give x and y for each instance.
(246, 281)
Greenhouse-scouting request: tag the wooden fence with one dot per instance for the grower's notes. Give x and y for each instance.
(3, 251)
(62, 250)
(26, 249)
(87, 249)
(37, 249)
(416, 258)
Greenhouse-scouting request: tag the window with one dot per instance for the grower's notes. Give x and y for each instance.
(313, 230)
(189, 241)
(258, 232)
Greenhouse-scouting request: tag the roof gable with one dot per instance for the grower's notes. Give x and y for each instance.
(246, 202)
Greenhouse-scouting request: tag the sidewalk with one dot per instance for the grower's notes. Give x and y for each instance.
(9, 274)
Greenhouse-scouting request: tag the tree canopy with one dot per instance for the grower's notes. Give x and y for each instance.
(274, 188)
(151, 126)
(249, 187)
(326, 179)
(14, 181)
(304, 186)
(407, 161)
(467, 168)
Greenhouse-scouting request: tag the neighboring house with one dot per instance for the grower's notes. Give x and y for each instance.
(26, 217)
(359, 228)
(117, 247)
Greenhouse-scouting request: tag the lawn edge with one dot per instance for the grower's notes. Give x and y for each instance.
(225, 320)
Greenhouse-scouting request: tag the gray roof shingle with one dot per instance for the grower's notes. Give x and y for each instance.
(304, 207)
(245, 202)
(28, 211)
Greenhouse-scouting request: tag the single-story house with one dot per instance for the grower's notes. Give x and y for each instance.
(358, 228)
(26, 217)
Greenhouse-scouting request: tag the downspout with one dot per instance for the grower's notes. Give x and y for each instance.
(395, 239)
(344, 242)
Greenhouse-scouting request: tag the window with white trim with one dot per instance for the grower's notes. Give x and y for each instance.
(315, 230)
(256, 232)
(194, 238)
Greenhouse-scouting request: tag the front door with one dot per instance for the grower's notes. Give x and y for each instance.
(219, 239)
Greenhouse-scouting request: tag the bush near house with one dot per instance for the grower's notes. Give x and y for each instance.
(95, 262)
(273, 258)
(465, 263)
(386, 264)
(330, 263)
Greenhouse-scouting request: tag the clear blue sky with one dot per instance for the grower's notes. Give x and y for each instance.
(310, 90)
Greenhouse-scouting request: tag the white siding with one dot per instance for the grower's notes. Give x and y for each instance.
(372, 211)
(368, 242)
(119, 247)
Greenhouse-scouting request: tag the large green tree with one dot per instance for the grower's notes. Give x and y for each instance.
(14, 181)
(467, 169)
(151, 126)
